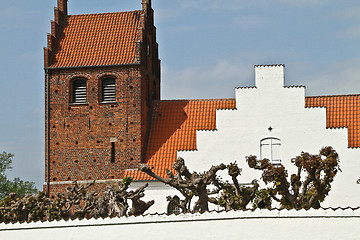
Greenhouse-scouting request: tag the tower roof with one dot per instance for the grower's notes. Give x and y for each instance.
(98, 39)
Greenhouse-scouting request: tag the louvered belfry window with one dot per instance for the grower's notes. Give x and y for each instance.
(108, 93)
(79, 91)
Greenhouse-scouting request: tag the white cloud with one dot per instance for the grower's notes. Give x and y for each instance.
(165, 14)
(348, 13)
(297, 2)
(251, 22)
(8, 13)
(217, 81)
(351, 17)
(349, 33)
(213, 5)
(335, 79)
(234, 5)
(220, 79)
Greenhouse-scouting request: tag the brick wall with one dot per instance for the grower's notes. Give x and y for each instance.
(81, 135)
(80, 146)
(98, 187)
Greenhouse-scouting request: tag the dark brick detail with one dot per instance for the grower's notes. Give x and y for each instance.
(80, 135)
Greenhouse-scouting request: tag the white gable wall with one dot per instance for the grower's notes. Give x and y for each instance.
(271, 104)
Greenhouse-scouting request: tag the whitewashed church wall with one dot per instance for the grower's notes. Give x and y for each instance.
(158, 192)
(260, 224)
(270, 104)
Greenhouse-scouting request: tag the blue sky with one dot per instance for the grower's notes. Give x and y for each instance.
(207, 48)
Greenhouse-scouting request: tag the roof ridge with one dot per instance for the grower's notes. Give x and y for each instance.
(295, 86)
(105, 13)
(270, 65)
(198, 100)
(335, 95)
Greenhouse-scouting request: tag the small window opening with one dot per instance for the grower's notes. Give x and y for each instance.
(112, 152)
(108, 90)
(270, 148)
(79, 91)
(148, 50)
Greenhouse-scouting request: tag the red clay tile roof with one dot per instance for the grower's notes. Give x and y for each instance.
(174, 126)
(98, 39)
(341, 111)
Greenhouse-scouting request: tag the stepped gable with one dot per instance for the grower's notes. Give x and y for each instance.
(98, 40)
(173, 128)
(341, 111)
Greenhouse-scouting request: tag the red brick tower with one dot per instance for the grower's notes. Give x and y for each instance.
(102, 74)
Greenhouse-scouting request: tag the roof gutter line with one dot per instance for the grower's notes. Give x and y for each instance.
(97, 66)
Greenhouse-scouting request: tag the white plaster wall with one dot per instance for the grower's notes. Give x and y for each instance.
(260, 224)
(300, 129)
(158, 192)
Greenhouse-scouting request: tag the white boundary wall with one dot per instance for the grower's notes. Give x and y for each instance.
(260, 224)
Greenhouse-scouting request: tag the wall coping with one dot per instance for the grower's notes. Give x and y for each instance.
(189, 217)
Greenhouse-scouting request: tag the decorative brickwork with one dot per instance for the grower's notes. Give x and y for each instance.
(95, 140)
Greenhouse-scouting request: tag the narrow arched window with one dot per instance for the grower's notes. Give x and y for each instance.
(270, 148)
(79, 91)
(108, 90)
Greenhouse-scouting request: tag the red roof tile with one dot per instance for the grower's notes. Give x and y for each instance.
(341, 111)
(174, 126)
(98, 39)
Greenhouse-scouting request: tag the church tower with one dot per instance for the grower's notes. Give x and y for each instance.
(102, 74)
